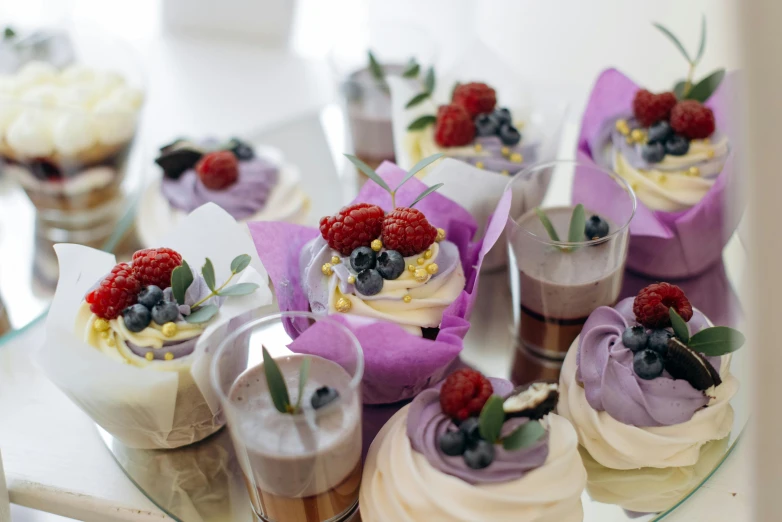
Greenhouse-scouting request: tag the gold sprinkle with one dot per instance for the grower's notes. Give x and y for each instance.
(662, 179)
(326, 269)
(428, 254)
(169, 329)
(478, 147)
(100, 325)
(622, 127)
(706, 141)
(479, 164)
(710, 153)
(169, 356)
(335, 260)
(149, 356)
(110, 342)
(343, 305)
(505, 172)
(421, 275)
(634, 186)
(638, 136)
(629, 140)
(105, 335)
(351, 279)
(420, 261)
(516, 157)
(407, 298)
(411, 268)
(440, 235)
(505, 151)
(432, 268)
(377, 245)
(694, 171)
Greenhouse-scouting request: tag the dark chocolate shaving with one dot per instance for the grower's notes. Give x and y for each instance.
(177, 161)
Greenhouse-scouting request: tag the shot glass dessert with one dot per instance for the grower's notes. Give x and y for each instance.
(290, 388)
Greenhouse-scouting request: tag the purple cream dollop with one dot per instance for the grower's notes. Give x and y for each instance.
(498, 162)
(426, 422)
(605, 367)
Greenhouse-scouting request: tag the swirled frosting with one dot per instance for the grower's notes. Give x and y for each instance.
(429, 298)
(401, 485)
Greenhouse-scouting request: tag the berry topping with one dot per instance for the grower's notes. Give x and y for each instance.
(150, 296)
(635, 338)
(369, 282)
(136, 317)
(650, 108)
(648, 364)
(658, 341)
(502, 115)
(453, 443)
(165, 312)
(464, 393)
(509, 135)
(486, 125)
(242, 150)
(595, 228)
(480, 456)
(454, 126)
(323, 396)
(390, 264)
(692, 120)
(117, 291)
(471, 428)
(354, 226)
(653, 152)
(652, 303)
(153, 266)
(407, 231)
(677, 145)
(363, 258)
(659, 132)
(218, 170)
(476, 98)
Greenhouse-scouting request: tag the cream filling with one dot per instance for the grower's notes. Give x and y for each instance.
(112, 341)
(399, 484)
(621, 446)
(429, 298)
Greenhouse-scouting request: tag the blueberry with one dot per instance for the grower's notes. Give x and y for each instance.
(648, 364)
(453, 443)
(635, 338)
(486, 125)
(480, 456)
(363, 258)
(241, 150)
(150, 296)
(677, 145)
(653, 152)
(509, 135)
(658, 341)
(136, 317)
(165, 312)
(369, 282)
(471, 429)
(501, 115)
(659, 132)
(323, 396)
(595, 228)
(390, 264)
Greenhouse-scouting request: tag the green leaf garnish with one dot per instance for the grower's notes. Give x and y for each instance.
(702, 45)
(577, 224)
(673, 39)
(552, 233)
(420, 166)
(679, 326)
(238, 289)
(417, 99)
(240, 263)
(453, 89)
(429, 80)
(202, 314)
(703, 90)
(208, 271)
(422, 122)
(375, 68)
(425, 193)
(181, 279)
(491, 419)
(304, 375)
(524, 436)
(716, 341)
(678, 89)
(277, 387)
(412, 69)
(8, 33)
(366, 169)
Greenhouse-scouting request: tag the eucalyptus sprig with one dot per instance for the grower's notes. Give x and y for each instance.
(711, 342)
(182, 278)
(575, 229)
(278, 389)
(9, 33)
(686, 89)
(371, 174)
(378, 72)
(490, 423)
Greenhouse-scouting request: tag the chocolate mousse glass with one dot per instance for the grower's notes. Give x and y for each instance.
(303, 466)
(556, 284)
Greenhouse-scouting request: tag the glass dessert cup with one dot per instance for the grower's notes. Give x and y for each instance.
(557, 284)
(303, 466)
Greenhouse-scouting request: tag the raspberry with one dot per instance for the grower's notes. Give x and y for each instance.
(464, 393)
(153, 266)
(454, 126)
(651, 305)
(218, 170)
(407, 231)
(650, 108)
(354, 226)
(476, 98)
(116, 292)
(692, 120)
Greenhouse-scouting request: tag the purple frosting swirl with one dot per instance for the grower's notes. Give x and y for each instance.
(496, 161)
(605, 367)
(426, 422)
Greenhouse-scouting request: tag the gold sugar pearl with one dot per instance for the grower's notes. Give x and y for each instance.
(516, 157)
(638, 136)
(505, 151)
(479, 164)
(105, 334)
(478, 147)
(100, 325)
(420, 261)
(335, 260)
(411, 268)
(628, 140)
(710, 153)
(694, 171)
(377, 245)
(428, 254)
(351, 279)
(432, 268)
(407, 298)
(622, 127)
(110, 341)
(440, 235)
(169, 329)
(421, 275)
(169, 356)
(343, 305)
(505, 173)
(634, 186)
(149, 356)
(706, 141)
(662, 179)
(326, 269)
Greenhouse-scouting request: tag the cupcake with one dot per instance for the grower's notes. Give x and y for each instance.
(487, 454)
(250, 184)
(647, 384)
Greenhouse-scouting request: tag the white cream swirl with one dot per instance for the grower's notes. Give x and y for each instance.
(399, 484)
(621, 446)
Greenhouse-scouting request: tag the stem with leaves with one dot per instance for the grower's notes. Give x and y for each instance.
(371, 174)
(278, 389)
(576, 229)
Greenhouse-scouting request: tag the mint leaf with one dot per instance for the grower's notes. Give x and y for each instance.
(412, 69)
(276, 382)
(702, 45)
(422, 122)
(577, 225)
(420, 166)
(552, 233)
(524, 436)
(238, 289)
(679, 326)
(208, 271)
(678, 89)
(491, 419)
(716, 341)
(417, 99)
(202, 314)
(674, 40)
(240, 263)
(425, 193)
(371, 174)
(429, 80)
(703, 90)
(375, 68)
(304, 375)
(181, 279)
(453, 89)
